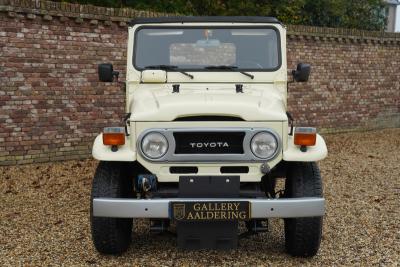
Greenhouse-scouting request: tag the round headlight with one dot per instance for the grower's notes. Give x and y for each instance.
(154, 145)
(264, 145)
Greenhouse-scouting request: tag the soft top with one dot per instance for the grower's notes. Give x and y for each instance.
(182, 19)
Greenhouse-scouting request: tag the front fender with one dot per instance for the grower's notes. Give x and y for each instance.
(313, 153)
(104, 153)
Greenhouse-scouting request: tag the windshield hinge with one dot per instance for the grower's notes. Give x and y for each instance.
(291, 122)
(127, 123)
(239, 88)
(175, 88)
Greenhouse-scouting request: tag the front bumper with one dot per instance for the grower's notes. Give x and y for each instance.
(160, 208)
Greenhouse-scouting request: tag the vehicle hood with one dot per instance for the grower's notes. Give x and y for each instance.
(256, 103)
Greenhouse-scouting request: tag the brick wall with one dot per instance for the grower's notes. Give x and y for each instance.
(354, 82)
(52, 105)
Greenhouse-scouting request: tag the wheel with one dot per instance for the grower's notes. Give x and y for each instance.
(111, 235)
(303, 235)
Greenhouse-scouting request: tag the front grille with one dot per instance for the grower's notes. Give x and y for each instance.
(216, 144)
(209, 142)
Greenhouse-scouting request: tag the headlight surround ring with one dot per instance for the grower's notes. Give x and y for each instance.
(264, 145)
(154, 145)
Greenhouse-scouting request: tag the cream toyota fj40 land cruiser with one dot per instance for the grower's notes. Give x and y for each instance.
(206, 136)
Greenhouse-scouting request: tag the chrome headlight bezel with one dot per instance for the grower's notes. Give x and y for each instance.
(276, 144)
(162, 138)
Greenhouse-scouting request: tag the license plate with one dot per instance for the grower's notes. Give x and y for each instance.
(210, 210)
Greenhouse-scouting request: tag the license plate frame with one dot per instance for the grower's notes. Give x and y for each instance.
(210, 211)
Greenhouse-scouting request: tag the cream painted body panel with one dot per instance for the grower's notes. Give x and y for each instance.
(152, 104)
(134, 78)
(313, 153)
(258, 102)
(102, 152)
(154, 76)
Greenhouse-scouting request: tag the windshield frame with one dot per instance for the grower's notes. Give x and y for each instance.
(278, 39)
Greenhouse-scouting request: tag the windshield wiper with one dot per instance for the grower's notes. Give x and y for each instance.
(168, 67)
(227, 67)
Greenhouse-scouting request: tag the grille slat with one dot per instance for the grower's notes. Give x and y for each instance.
(209, 142)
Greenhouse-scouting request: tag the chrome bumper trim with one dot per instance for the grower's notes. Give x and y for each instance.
(160, 208)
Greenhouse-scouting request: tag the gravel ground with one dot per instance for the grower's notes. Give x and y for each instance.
(44, 215)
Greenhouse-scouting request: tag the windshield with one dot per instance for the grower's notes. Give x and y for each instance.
(209, 49)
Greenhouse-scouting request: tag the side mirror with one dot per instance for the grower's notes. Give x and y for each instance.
(106, 72)
(302, 72)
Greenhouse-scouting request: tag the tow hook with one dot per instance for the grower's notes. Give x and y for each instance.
(146, 183)
(265, 169)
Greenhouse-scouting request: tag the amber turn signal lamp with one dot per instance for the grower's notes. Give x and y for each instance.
(114, 136)
(305, 136)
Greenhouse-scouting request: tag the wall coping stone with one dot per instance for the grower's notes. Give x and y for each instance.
(62, 9)
(341, 34)
(49, 9)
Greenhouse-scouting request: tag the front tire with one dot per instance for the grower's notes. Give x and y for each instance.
(303, 235)
(111, 235)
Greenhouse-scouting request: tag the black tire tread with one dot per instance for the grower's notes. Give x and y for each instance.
(303, 235)
(111, 235)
